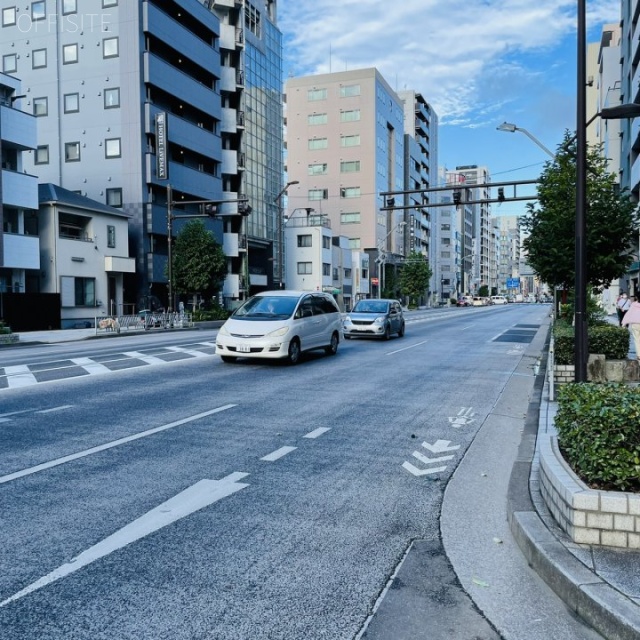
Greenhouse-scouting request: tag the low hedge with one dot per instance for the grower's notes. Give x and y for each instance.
(608, 339)
(599, 433)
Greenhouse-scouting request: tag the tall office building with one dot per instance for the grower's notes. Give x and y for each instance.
(346, 145)
(135, 96)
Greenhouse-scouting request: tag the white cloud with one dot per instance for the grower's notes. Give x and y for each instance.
(468, 58)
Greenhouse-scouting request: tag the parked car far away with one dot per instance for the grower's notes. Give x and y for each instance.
(378, 318)
(498, 300)
(281, 324)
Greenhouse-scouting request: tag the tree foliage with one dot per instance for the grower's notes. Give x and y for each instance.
(550, 223)
(415, 276)
(198, 260)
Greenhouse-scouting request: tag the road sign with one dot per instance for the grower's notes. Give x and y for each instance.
(513, 283)
(374, 281)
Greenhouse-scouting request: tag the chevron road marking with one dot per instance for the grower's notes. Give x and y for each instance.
(439, 446)
(421, 472)
(198, 496)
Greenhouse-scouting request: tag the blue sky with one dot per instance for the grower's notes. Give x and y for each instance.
(477, 62)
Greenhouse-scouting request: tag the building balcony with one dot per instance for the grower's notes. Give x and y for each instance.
(20, 252)
(187, 179)
(19, 129)
(116, 264)
(19, 189)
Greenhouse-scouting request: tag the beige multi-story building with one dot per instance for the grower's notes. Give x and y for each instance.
(345, 145)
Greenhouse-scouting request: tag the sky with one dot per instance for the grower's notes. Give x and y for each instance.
(478, 63)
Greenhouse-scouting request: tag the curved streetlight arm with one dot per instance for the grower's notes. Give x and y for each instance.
(511, 128)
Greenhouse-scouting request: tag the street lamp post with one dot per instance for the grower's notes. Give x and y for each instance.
(511, 128)
(280, 228)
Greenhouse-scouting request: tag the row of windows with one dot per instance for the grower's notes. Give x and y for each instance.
(323, 143)
(345, 91)
(352, 115)
(112, 149)
(306, 240)
(322, 168)
(10, 16)
(71, 102)
(110, 49)
(306, 269)
(323, 194)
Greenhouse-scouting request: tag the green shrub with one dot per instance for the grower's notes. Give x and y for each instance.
(213, 312)
(607, 339)
(4, 329)
(599, 433)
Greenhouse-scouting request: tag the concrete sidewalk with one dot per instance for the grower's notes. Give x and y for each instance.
(496, 529)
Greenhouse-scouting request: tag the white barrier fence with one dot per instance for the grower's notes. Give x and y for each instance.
(143, 322)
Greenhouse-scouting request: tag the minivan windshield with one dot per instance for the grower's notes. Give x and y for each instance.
(267, 308)
(371, 306)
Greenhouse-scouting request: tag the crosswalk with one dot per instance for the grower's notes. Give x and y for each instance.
(24, 375)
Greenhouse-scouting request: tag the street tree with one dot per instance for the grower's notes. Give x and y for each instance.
(414, 277)
(199, 264)
(549, 224)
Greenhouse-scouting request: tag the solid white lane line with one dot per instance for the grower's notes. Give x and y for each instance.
(60, 408)
(19, 376)
(390, 353)
(317, 432)
(278, 453)
(109, 445)
(200, 495)
(90, 366)
(141, 356)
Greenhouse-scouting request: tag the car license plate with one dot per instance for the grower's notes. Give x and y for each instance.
(244, 348)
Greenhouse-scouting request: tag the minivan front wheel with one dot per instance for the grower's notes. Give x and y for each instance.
(332, 348)
(293, 355)
(387, 333)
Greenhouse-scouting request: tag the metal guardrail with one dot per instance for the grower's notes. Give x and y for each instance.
(144, 321)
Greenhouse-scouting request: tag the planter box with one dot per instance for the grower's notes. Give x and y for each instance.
(600, 370)
(9, 338)
(588, 516)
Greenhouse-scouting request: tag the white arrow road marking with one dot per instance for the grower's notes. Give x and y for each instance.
(440, 446)
(464, 417)
(427, 460)
(200, 495)
(19, 376)
(109, 445)
(278, 453)
(317, 432)
(421, 472)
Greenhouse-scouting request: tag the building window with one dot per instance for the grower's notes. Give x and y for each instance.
(304, 240)
(112, 98)
(326, 242)
(318, 143)
(350, 218)
(347, 274)
(111, 236)
(354, 243)
(112, 148)
(316, 94)
(42, 154)
(109, 3)
(350, 141)
(38, 10)
(304, 268)
(317, 118)
(72, 152)
(318, 194)
(10, 63)
(69, 54)
(252, 19)
(326, 269)
(40, 106)
(445, 227)
(350, 166)
(71, 102)
(8, 16)
(349, 90)
(352, 115)
(39, 59)
(114, 198)
(319, 169)
(85, 292)
(110, 48)
(350, 192)
(69, 6)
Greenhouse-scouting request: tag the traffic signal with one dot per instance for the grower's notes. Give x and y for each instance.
(244, 209)
(501, 197)
(210, 209)
(391, 202)
(457, 197)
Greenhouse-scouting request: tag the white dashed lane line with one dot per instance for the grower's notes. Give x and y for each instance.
(278, 453)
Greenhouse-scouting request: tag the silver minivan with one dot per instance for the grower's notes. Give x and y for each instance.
(281, 324)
